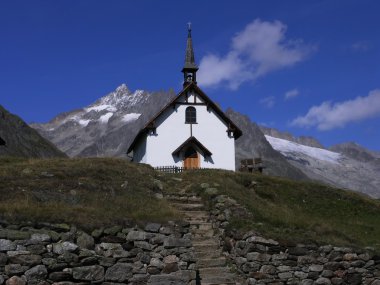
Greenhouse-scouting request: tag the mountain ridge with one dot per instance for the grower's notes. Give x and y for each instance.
(108, 126)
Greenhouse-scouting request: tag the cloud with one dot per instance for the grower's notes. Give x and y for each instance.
(259, 49)
(361, 46)
(329, 116)
(291, 94)
(268, 101)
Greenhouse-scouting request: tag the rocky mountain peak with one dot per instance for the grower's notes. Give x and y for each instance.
(354, 151)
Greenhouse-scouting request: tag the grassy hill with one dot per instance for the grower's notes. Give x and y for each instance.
(100, 191)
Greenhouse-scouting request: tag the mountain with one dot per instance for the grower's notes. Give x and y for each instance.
(106, 127)
(344, 166)
(18, 139)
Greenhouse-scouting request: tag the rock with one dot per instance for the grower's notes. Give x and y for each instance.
(113, 230)
(3, 259)
(136, 235)
(88, 273)
(119, 272)
(298, 251)
(256, 256)
(353, 278)
(261, 240)
(157, 185)
(85, 241)
(28, 259)
(171, 259)
(211, 191)
(97, 233)
(112, 239)
(60, 248)
(167, 279)
(285, 275)
(37, 237)
(171, 242)
(6, 245)
(205, 185)
(1, 279)
(170, 267)
(322, 281)
(17, 235)
(316, 267)
(36, 274)
(269, 269)
(36, 249)
(15, 269)
(153, 227)
(60, 276)
(156, 262)
(15, 280)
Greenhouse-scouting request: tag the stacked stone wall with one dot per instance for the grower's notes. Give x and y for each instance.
(266, 261)
(62, 254)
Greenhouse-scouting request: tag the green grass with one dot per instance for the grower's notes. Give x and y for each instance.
(292, 211)
(86, 192)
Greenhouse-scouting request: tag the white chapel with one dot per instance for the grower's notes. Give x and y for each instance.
(190, 132)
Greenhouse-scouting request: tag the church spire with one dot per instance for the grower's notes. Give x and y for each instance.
(190, 68)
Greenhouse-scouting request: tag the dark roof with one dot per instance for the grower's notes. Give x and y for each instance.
(189, 56)
(192, 140)
(208, 101)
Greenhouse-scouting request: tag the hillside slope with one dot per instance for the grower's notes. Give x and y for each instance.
(18, 139)
(92, 192)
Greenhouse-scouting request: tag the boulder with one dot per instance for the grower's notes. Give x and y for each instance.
(6, 245)
(27, 259)
(61, 247)
(15, 280)
(119, 272)
(93, 273)
(36, 274)
(152, 227)
(85, 241)
(136, 235)
(40, 237)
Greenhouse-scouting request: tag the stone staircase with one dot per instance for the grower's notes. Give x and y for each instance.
(211, 264)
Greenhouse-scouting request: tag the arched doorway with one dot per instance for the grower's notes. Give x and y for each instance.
(191, 158)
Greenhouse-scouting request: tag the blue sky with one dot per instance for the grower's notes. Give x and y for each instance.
(307, 67)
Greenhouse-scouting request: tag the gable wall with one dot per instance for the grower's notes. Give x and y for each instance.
(172, 132)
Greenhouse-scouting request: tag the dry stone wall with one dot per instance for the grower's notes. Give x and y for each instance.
(266, 261)
(63, 255)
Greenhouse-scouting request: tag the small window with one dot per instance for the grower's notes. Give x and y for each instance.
(191, 115)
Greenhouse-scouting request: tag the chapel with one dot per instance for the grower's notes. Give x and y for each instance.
(191, 131)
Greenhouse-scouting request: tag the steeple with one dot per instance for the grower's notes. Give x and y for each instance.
(190, 68)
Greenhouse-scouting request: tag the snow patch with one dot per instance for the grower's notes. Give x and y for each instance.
(104, 119)
(84, 123)
(286, 147)
(130, 117)
(101, 108)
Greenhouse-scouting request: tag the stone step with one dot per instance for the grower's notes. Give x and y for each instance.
(208, 254)
(189, 207)
(202, 226)
(201, 247)
(216, 275)
(211, 262)
(214, 271)
(197, 235)
(184, 199)
(199, 216)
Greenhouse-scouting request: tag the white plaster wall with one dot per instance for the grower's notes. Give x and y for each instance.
(172, 132)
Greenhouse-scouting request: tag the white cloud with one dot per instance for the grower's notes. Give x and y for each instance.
(268, 101)
(291, 94)
(361, 46)
(257, 50)
(329, 116)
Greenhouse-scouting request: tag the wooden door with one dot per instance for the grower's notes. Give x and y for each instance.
(191, 159)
